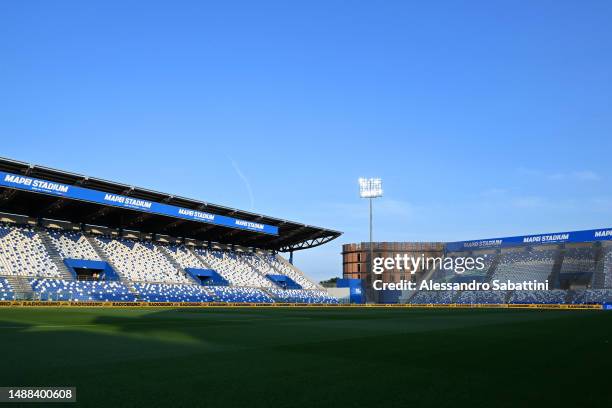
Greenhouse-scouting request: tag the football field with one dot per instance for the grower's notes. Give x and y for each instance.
(311, 357)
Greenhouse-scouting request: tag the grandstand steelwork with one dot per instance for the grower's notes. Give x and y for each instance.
(65, 237)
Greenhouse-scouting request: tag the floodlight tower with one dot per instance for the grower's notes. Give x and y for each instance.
(370, 188)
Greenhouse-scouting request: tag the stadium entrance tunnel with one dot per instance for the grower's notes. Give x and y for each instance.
(82, 269)
(284, 282)
(207, 277)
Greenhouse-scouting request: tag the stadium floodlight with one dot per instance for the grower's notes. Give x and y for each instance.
(370, 188)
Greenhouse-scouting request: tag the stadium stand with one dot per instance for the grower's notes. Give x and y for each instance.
(607, 267)
(302, 296)
(156, 272)
(72, 244)
(578, 260)
(521, 265)
(515, 265)
(270, 265)
(473, 297)
(185, 257)
(448, 274)
(6, 291)
(444, 274)
(591, 296)
(427, 297)
(59, 289)
(140, 261)
(133, 251)
(446, 296)
(151, 272)
(539, 296)
(238, 294)
(234, 267)
(163, 292)
(22, 253)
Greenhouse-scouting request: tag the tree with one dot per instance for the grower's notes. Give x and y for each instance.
(330, 283)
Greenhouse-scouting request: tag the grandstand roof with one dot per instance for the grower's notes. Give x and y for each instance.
(291, 235)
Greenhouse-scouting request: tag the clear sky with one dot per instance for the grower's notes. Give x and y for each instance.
(483, 118)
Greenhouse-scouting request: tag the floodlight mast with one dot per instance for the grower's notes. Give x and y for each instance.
(370, 188)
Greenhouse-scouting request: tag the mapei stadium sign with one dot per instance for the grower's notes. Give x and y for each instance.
(541, 239)
(116, 200)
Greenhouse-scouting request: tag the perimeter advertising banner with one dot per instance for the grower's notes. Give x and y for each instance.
(100, 197)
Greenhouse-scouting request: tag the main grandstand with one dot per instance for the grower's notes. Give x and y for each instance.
(68, 237)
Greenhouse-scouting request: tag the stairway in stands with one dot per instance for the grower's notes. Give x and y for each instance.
(569, 296)
(298, 271)
(258, 271)
(21, 287)
(407, 295)
(553, 278)
(102, 255)
(493, 267)
(212, 294)
(199, 258)
(54, 254)
(598, 280)
(272, 295)
(248, 260)
(166, 253)
(427, 275)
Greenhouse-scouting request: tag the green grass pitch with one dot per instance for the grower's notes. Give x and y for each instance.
(311, 357)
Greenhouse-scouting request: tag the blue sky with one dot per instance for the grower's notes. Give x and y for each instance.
(483, 118)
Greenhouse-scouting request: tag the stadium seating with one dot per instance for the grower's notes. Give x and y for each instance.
(269, 265)
(443, 274)
(578, 260)
(444, 297)
(425, 297)
(487, 260)
(239, 294)
(592, 296)
(72, 244)
(150, 272)
(234, 267)
(446, 274)
(477, 297)
(185, 257)
(22, 253)
(163, 292)
(519, 266)
(6, 292)
(140, 261)
(156, 273)
(538, 296)
(76, 291)
(302, 296)
(607, 267)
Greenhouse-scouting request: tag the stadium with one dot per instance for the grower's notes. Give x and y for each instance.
(72, 238)
(135, 297)
(192, 210)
